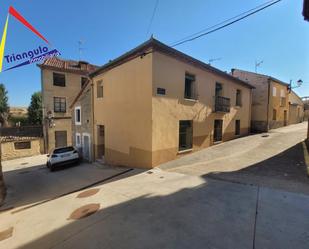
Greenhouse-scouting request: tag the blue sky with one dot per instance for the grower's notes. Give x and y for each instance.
(279, 36)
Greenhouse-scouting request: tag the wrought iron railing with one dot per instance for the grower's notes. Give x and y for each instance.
(222, 104)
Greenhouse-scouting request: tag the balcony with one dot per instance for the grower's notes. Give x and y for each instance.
(222, 104)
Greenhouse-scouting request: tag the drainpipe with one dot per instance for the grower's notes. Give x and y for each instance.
(92, 117)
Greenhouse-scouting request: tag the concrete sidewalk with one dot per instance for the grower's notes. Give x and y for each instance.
(158, 209)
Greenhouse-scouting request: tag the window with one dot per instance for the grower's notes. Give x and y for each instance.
(282, 93)
(237, 127)
(185, 135)
(282, 101)
(282, 98)
(59, 104)
(219, 89)
(78, 115)
(100, 89)
(83, 81)
(274, 91)
(101, 130)
(22, 145)
(238, 98)
(59, 79)
(78, 142)
(63, 150)
(190, 87)
(274, 114)
(161, 91)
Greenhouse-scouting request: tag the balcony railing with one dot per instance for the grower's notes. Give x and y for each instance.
(222, 104)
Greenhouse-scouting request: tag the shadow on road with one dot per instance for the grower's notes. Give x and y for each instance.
(286, 171)
(215, 214)
(33, 185)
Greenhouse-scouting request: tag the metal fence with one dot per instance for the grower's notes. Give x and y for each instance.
(22, 131)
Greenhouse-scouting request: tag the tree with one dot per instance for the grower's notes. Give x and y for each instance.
(35, 113)
(4, 114)
(4, 106)
(2, 185)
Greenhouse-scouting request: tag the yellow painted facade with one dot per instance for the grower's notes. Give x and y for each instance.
(296, 109)
(60, 121)
(279, 102)
(270, 100)
(141, 128)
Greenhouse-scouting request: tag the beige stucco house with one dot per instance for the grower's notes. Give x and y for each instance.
(61, 81)
(270, 100)
(82, 122)
(296, 109)
(155, 103)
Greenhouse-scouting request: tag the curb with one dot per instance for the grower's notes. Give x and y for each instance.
(306, 156)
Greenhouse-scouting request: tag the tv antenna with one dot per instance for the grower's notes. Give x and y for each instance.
(213, 59)
(257, 64)
(80, 48)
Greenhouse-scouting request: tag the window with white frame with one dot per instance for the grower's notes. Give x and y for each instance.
(77, 140)
(78, 115)
(274, 91)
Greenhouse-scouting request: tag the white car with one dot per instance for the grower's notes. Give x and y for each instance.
(62, 156)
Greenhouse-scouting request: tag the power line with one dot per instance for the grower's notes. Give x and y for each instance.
(225, 21)
(152, 17)
(213, 28)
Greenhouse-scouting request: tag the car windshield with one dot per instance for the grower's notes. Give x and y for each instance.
(63, 150)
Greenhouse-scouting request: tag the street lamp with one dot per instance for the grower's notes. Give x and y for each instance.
(298, 84)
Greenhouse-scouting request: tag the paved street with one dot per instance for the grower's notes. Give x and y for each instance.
(174, 208)
(29, 181)
(275, 160)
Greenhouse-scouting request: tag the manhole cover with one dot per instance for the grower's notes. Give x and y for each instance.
(6, 233)
(84, 211)
(88, 193)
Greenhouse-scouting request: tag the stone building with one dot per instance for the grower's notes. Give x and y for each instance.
(61, 81)
(270, 105)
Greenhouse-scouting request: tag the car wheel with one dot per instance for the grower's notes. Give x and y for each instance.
(52, 168)
(48, 165)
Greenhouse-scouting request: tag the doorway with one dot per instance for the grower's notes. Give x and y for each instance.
(218, 130)
(86, 147)
(285, 118)
(100, 148)
(60, 139)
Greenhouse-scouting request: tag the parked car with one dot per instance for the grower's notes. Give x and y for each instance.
(62, 156)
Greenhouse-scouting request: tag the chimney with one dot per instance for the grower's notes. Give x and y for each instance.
(83, 65)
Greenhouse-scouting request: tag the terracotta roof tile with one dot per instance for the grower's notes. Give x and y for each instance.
(68, 65)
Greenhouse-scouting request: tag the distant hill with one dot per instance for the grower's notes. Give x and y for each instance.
(18, 111)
